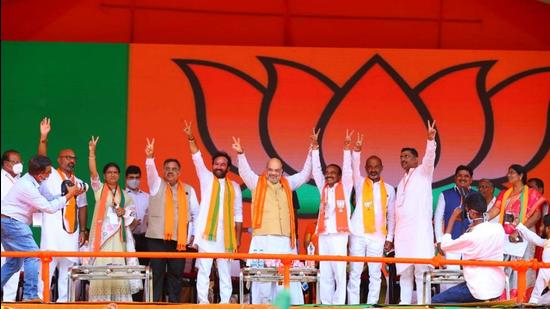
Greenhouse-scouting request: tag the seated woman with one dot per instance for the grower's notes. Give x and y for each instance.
(543, 279)
(114, 212)
(482, 241)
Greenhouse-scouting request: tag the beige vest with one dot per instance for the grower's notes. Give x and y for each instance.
(155, 228)
(276, 218)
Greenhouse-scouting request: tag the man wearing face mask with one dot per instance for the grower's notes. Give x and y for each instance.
(139, 225)
(173, 208)
(219, 223)
(64, 230)
(11, 171)
(273, 225)
(333, 220)
(19, 204)
(447, 202)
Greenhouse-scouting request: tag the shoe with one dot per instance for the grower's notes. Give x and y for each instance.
(33, 300)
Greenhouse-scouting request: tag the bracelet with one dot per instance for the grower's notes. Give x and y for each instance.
(43, 141)
(84, 231)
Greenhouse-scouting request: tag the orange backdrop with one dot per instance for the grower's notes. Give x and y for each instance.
(492, 107)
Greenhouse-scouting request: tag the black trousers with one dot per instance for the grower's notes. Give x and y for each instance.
(172, 269)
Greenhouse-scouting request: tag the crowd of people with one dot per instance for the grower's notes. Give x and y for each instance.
(375, 219)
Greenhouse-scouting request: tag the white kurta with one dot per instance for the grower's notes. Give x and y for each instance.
(485, 242)
(413, 211)
(357, 227)
(53, 235)
(544, 273)
(206, 178)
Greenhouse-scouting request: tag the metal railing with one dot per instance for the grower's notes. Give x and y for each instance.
(521, 266)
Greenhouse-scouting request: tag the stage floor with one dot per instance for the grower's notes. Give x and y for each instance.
(87, 305)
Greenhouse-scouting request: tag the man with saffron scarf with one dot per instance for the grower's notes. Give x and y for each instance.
(173, 205)
(372, 223)
(64, 230)
(413, 217)
(272, 216)
(333, 221)
(219, 222)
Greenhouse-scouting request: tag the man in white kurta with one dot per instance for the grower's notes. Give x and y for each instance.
(483, 241)
(11, 171)
(371, 244)
(273, 236)
(220, 167)
(333, 240)
(56, 234)
(413, 217)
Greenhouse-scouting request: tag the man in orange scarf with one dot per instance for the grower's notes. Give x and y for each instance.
(219, 222)
(272, 216)
(64, 230)
(372, 223)
(333, 222)
(173, 205)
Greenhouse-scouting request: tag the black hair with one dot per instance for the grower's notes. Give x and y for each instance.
(411, 150)
(222, 154)
(133, 169)
(546, 220)
(537, 181)
(464, 168)
(6, 155)
(335, 166)
(111, 164)
(171, 160)
(475, 201)
(520, 170)
(38, 164)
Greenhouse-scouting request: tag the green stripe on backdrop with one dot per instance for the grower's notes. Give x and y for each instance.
(82, 87)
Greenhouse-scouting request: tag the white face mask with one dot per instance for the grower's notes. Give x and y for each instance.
(132, 183)
(17, 168)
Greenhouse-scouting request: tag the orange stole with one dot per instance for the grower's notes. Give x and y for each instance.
(69, 212)
(341, 210)
(183, 209)
(259, 201)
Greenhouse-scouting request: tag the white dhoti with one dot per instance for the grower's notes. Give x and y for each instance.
(264, 293)
(203, 278)
(413, 273)
(333, 273)
(371, 247)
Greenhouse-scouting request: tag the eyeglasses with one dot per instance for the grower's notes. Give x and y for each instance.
(68, 157)
(14, 162)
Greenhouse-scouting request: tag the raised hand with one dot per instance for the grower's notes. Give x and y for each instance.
(92, 144)
(150, 148)
(315, 138)
(358, 143)
(431, 131)
(237, 145)
(45, 127)
(347, 139)
(187, 130)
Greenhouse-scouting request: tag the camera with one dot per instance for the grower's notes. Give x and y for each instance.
(67, 183)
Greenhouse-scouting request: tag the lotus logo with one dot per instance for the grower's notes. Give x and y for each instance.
(486, 128)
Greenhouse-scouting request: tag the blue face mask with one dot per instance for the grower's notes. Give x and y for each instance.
(132, 183)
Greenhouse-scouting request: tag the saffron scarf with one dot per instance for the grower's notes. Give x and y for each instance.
(368, 206)
(341, 210)
(69, 212)
(523, 204)
(259, 201)
(182, 215)
(101, 215)
(211, 228)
